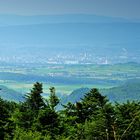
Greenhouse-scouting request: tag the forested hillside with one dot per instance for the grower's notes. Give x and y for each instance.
(91, 118)
(130, 90)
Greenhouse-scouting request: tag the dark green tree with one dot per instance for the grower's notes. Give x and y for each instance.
(90, 106)
(34, 99)
(6, 125)
(47, 121)
(53, 99)
(25, 114)
(128, 121)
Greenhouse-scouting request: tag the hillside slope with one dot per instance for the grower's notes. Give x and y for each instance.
(127, 91)
(9, 94)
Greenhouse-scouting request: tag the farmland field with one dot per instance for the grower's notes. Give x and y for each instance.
(66, 78)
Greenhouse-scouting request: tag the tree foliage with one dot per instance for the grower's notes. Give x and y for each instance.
(93, 118)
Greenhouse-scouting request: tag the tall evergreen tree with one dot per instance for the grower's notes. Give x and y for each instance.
(34, 99)
(53, 100)
(92, 103)
(27, 111)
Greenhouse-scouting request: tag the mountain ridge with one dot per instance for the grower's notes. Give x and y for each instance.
(66, 18)
(130, 90)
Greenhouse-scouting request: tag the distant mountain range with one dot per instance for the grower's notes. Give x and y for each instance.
(7, 20)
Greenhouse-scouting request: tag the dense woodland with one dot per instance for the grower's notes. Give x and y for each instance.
(92, 118)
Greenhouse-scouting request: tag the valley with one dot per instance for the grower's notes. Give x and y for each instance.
(66, 78)
(68, 52)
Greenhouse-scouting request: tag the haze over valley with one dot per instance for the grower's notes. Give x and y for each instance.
(69, 39)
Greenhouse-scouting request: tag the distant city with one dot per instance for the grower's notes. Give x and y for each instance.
(77, 58)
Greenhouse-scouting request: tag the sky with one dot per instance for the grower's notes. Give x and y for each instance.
(113, 8)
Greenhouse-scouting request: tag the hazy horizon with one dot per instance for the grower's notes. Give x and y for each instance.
(76, 31)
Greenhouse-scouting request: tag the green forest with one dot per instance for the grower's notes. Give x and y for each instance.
(94, 117)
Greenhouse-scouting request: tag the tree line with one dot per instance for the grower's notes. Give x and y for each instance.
(92, 118)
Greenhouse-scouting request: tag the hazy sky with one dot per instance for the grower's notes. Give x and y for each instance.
(119, 8)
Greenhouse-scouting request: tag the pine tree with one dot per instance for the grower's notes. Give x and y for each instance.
(34, 99)
(53, 100)
(128, 121)
(92, 103)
